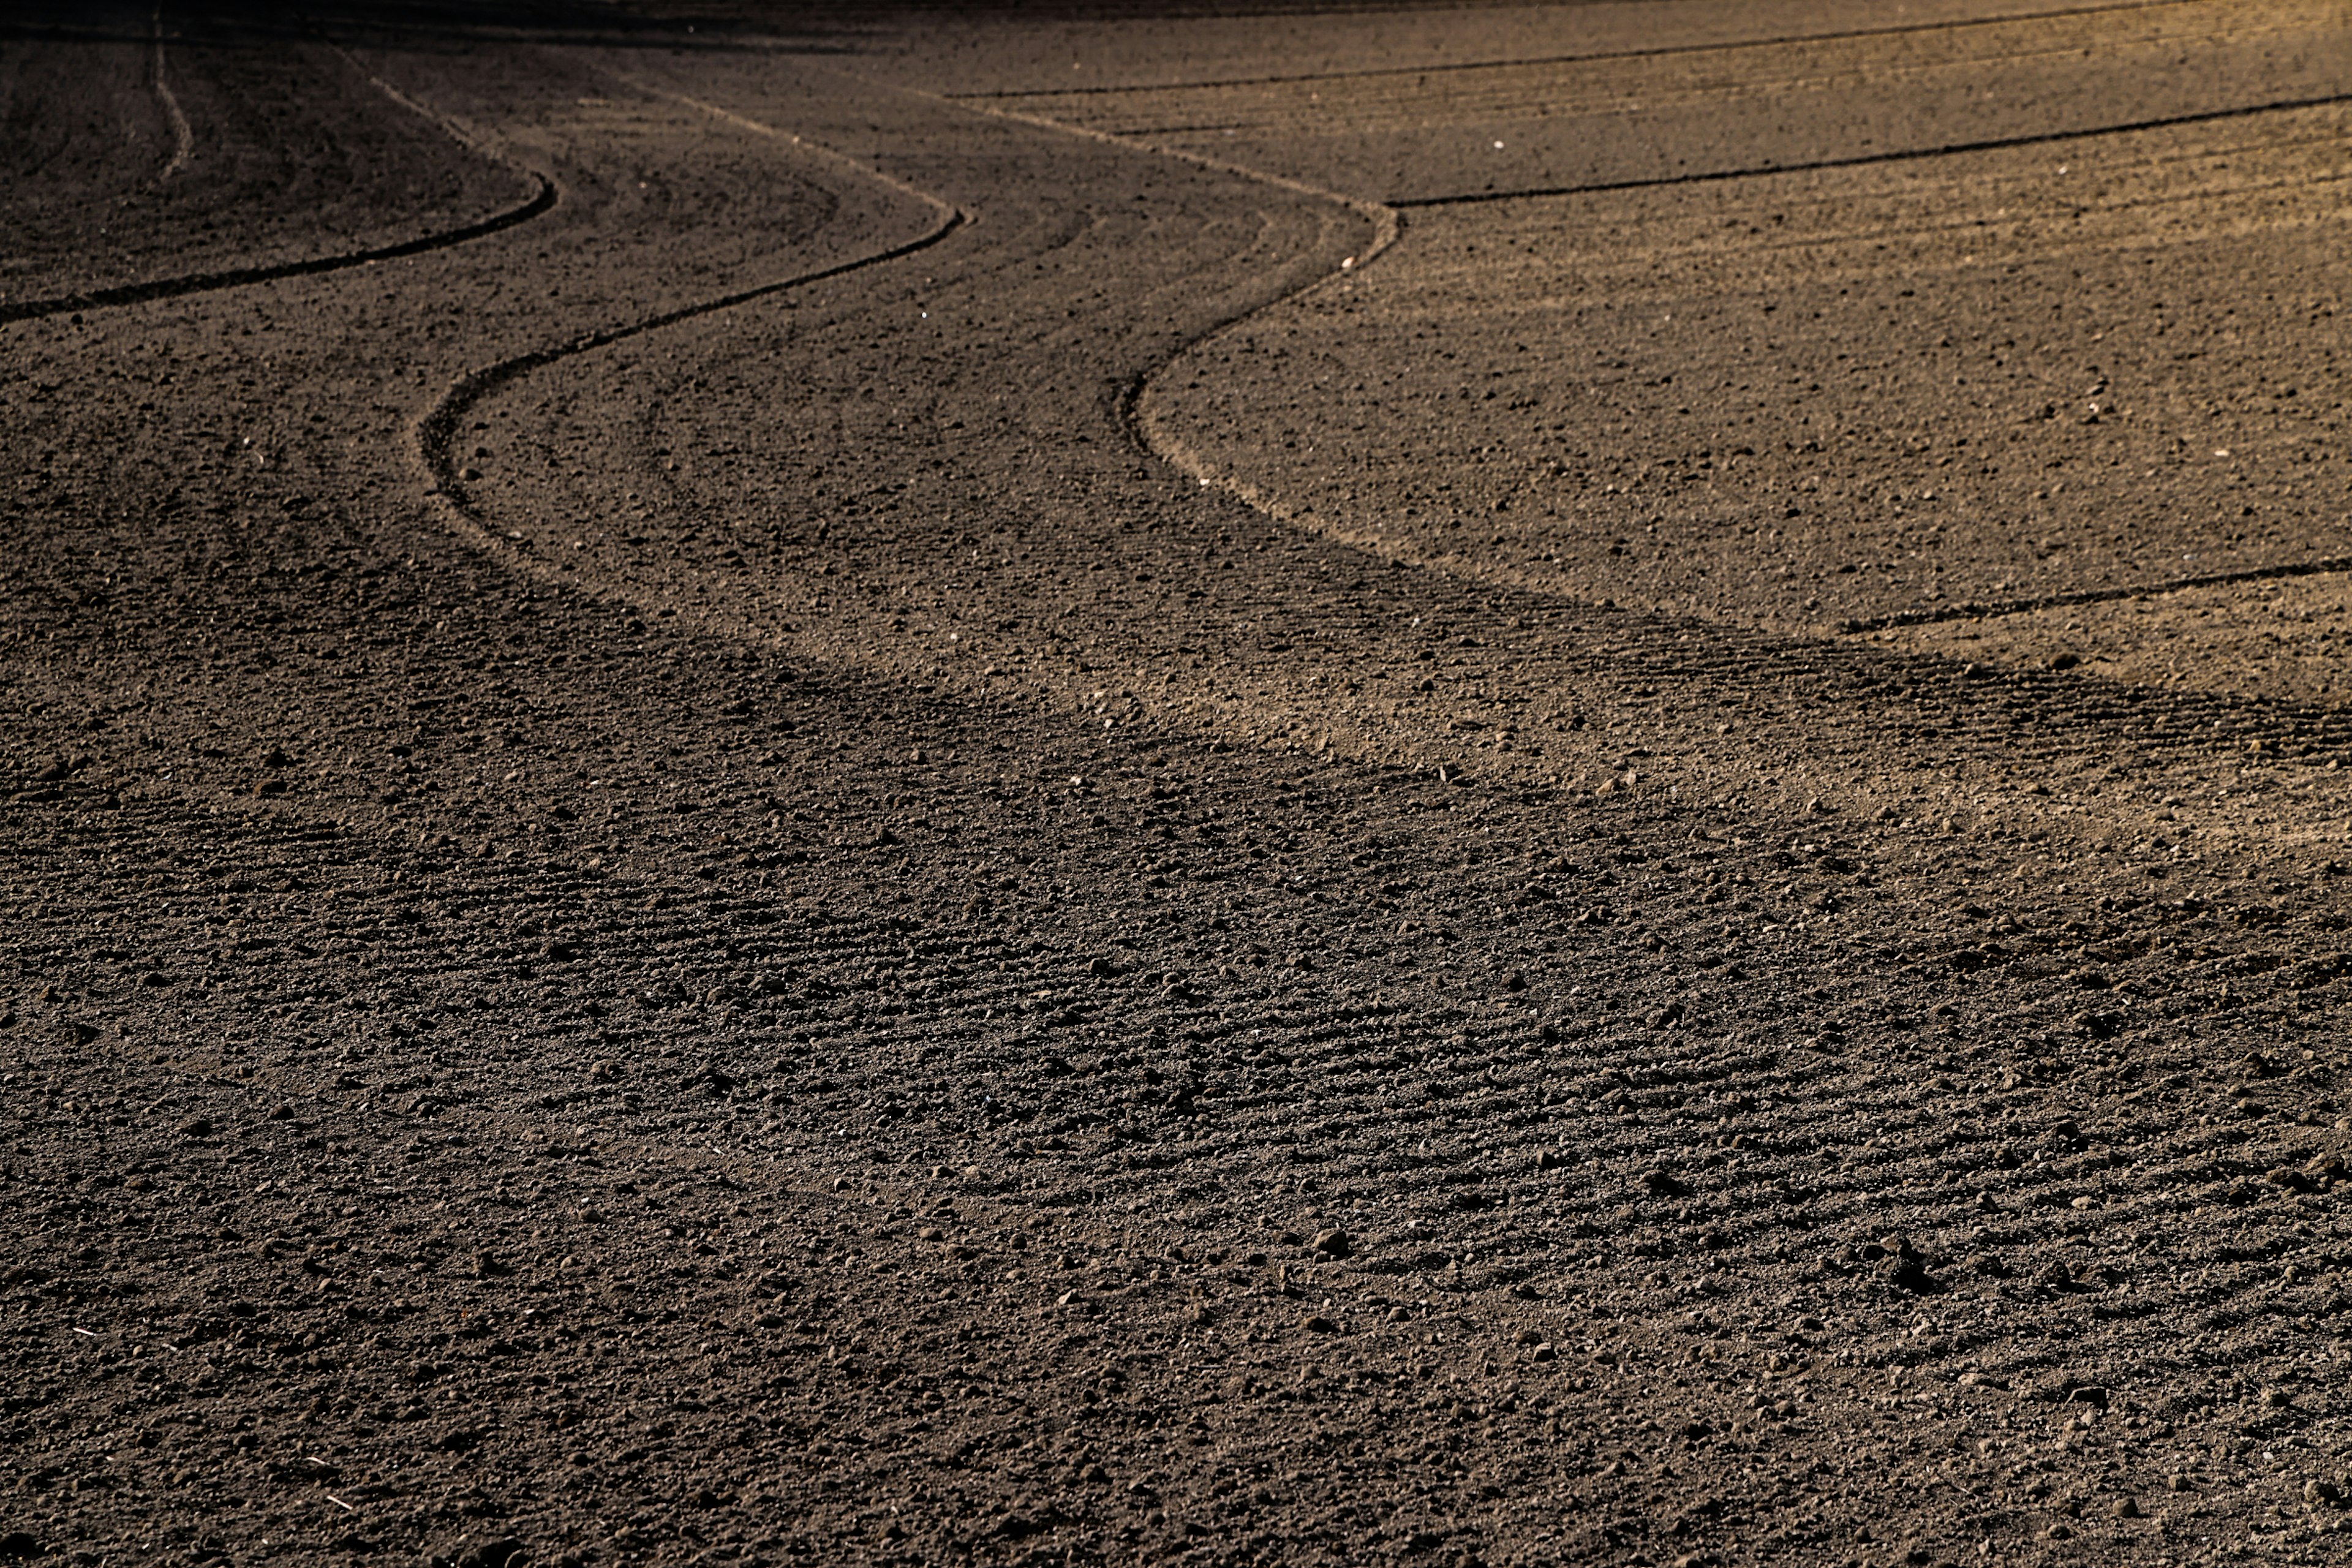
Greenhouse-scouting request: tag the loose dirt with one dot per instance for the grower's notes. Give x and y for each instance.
(812, 787)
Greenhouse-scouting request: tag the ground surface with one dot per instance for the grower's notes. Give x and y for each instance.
(1492, 784)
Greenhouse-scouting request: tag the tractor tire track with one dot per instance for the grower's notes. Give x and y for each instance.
(184, 138)
(1875, 160)
(542, 200)
(1851, 34)
(435, 430)
(673, 1100)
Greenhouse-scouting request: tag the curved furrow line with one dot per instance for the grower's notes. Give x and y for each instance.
(542, 200)
(434, 430)
(2138, 7)
(1598, 1171)
(1152, 430)
(1873, 159)
(2187, 734)
(184, 138)
(432, 434)
(1381, 216)
(1670, 658)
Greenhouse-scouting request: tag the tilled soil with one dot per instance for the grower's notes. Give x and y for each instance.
(772, 794)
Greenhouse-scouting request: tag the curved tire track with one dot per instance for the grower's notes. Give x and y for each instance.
(1143, 426)
(1597, 57)
(1597, 1186)
(432, 434)
(1152, 432)
(544, 196)
(1873, 160)
(184, 138)
(2285, 571)
(542, 200)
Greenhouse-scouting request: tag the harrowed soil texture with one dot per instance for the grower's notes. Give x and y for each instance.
(1495, 784)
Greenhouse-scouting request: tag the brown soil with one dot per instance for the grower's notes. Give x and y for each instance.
(771, 795)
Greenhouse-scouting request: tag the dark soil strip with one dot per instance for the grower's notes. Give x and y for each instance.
(1948, 149)
(542, 199)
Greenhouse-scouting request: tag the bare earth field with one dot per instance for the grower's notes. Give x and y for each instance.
(1485, 784)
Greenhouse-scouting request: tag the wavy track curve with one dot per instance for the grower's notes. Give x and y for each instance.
(1873, 159)
(431, 434)
(1153, 434)
(544, 196)
(1605, 56)
(1142, 425)
(542, 200)
(184, 138)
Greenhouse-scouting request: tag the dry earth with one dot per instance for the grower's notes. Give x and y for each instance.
(1490, 784)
